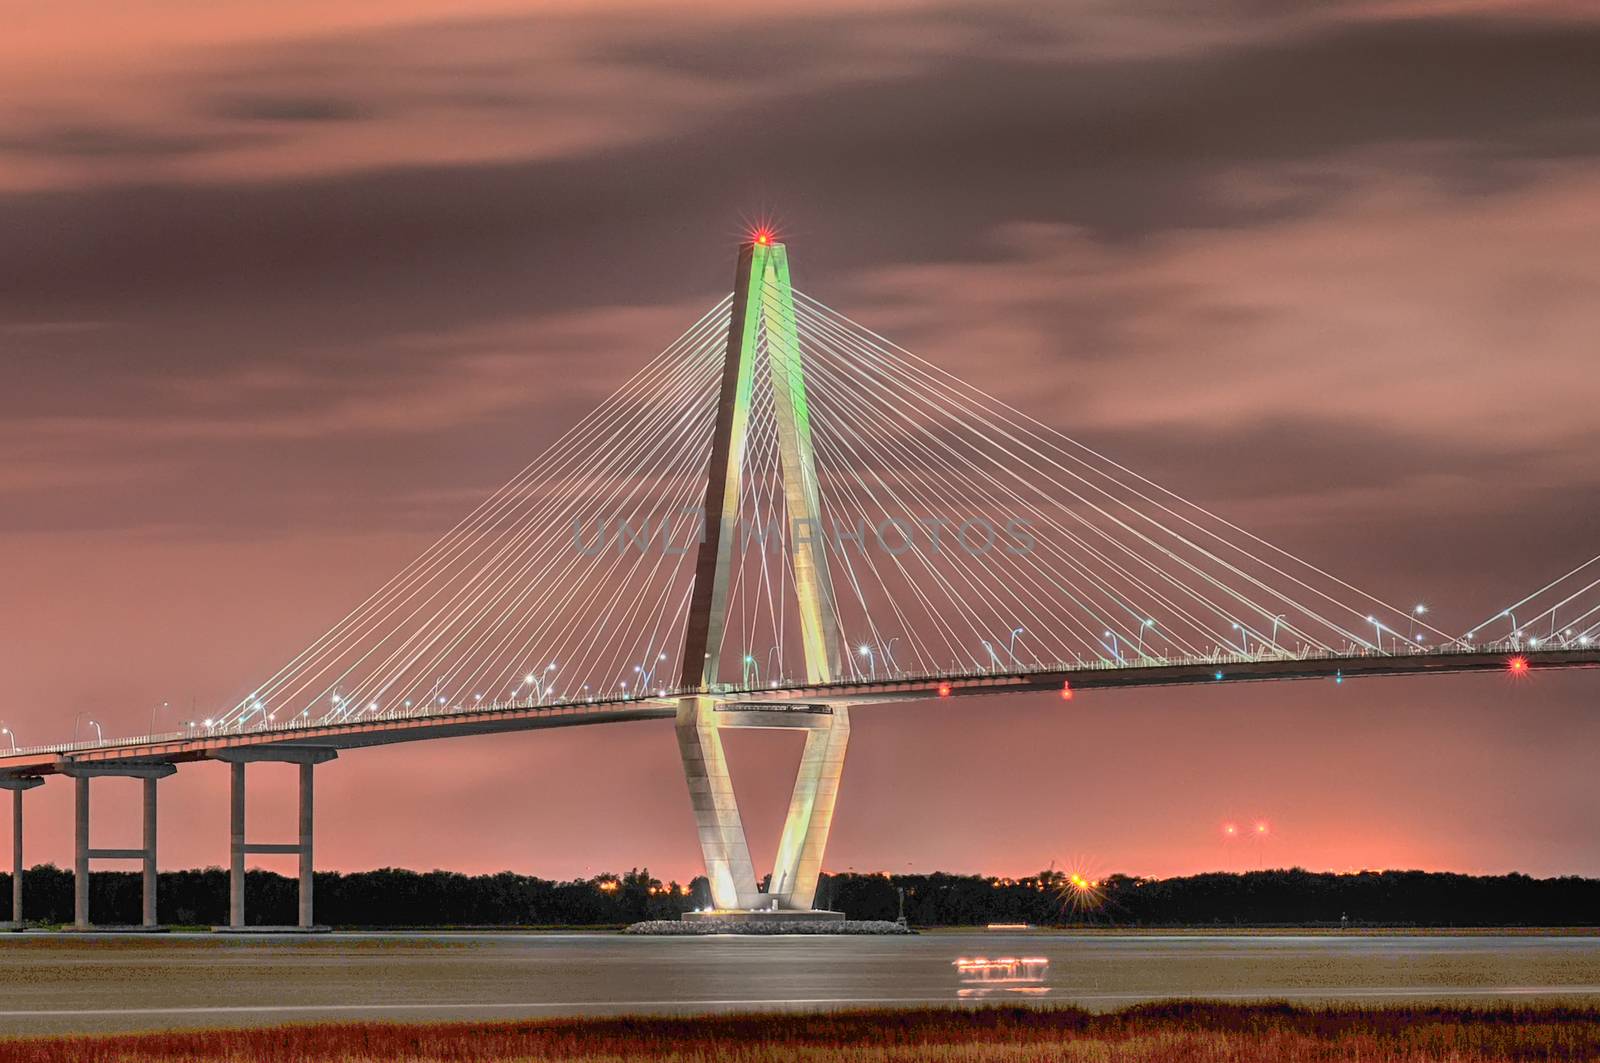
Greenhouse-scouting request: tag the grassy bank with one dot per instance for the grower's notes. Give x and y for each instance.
(1159, 1032)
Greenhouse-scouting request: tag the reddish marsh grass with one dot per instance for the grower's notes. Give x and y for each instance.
(1202, 1032)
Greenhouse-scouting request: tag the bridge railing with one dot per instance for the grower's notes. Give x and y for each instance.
(303, 723)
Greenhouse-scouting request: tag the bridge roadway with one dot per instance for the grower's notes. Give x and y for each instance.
(201, 744)
(153, 757)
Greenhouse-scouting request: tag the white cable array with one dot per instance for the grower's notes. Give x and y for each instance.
(1563, 614)
(1116, 569)
(960, 536)
(513, 589)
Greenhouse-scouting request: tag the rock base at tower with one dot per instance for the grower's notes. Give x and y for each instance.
(765, 915)
(766, 921)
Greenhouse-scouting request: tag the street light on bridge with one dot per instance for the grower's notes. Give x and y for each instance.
(888, 655)
(100, 735)
(1144, 625)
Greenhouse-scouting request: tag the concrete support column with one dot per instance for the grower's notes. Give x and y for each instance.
(150, 852)
(16, 857)
(236, 863)
(306, 865)
(80, 855)
(306, 757)
(810, 818)
(16, 784)
(729, 869)
(80, 773)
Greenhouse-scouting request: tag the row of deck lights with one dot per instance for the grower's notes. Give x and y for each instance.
(540, 683)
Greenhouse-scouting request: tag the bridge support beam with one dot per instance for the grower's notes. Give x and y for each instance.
(236, 845)
(306, 862)
(82, 854)
(729, 868)
(810, 817)
(17, 784)
(306, 758)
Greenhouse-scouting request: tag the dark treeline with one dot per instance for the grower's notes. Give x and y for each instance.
(1280, 897)
(388, 897)
(396, 898)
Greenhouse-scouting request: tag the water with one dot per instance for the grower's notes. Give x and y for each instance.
(70, 983)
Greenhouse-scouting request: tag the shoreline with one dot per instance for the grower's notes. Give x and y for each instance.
(1145, 1033)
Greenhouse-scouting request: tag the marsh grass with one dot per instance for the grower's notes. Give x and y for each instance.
(1200, 1032)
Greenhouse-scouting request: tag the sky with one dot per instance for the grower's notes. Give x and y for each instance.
(285, 289)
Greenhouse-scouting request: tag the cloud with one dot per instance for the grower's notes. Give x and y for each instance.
(247, 107)
(98, 144)
(280, 301)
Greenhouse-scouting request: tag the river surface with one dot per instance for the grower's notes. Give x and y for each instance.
(51, 983)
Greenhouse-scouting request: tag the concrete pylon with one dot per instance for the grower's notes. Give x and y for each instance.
(763, 305)
(17, 784)
(239, 846)
(81, 773)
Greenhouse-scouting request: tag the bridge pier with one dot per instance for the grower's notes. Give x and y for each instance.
(82, 854)
(306, 758)
(729, 869)
(17, 784)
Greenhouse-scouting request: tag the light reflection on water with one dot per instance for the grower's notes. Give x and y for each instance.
(982, 977)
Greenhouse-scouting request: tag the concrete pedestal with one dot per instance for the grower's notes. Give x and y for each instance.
(765, 915)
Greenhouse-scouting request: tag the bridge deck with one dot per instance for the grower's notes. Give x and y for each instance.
(180, 747)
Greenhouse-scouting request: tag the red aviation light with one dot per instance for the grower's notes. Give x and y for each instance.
(1066, 690)
(763, 237)
(944, 690)
(1518, 665)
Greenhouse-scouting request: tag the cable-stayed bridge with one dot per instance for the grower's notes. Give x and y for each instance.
(780, 517)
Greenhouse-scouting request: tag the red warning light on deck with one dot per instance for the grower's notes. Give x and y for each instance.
(1518, 665)
(1066, 690)
(944, 690)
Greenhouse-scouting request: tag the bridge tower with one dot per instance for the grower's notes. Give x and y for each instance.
(762, 325)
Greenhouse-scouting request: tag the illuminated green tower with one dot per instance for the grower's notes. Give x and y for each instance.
(763, 308)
